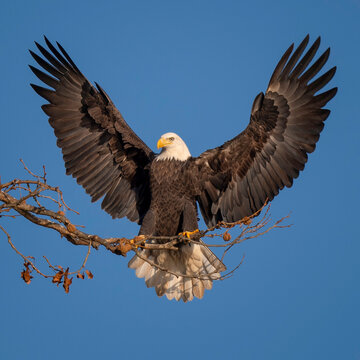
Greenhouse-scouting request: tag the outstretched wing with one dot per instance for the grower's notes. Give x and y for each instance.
(285, 124)
(99, 148)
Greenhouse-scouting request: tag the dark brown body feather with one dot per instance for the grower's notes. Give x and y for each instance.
(173, 205)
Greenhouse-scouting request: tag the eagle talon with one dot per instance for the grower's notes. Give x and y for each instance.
(189, 233)
(138, 240)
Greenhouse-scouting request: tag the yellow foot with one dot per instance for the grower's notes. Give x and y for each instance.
(138, 239)
(189, 233)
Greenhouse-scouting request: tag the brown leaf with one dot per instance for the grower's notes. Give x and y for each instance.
(25, 274)
(226, 236)
(58, 277)
(123, 248)
(89, 274)
(61, 213)
(80, 276)
(67, 283)
(246, 220)
(71, 227)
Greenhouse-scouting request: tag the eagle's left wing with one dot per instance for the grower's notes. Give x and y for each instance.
(99, 148)
(235, 179)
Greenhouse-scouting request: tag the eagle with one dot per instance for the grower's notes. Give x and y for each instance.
(161, 191)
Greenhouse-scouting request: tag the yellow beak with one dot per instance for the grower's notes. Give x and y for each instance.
(162, 142)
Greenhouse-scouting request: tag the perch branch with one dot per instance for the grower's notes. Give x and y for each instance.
(33, 199)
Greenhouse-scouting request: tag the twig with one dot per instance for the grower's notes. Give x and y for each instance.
(26, 258)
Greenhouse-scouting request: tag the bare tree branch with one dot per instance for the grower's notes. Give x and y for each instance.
(27, 198)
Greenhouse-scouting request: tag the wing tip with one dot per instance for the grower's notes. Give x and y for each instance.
(32, 68)
(306, 40)
(38, 89)
(334, 91)
(48, 42)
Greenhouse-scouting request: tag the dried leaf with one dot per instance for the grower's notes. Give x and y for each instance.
(246, 220)
(25, 274)
(80, 276)
(226, 236)
(58, 277)
(124, 248)
(61, 213)
(71, 227)
(67, 283)
(89, 274)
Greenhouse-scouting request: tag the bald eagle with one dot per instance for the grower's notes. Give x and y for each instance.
(161, 191)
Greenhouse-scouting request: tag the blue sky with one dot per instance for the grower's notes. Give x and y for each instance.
(193, 67)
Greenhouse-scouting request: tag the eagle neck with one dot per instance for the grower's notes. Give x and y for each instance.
(173, 153)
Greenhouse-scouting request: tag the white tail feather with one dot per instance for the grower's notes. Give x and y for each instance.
(198, 263)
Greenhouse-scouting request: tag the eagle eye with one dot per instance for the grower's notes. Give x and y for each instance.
(171, 138)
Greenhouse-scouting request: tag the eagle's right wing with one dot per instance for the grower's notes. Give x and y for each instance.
(235, 179)
(99, 148)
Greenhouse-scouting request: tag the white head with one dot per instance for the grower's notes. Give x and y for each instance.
(172, 147)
